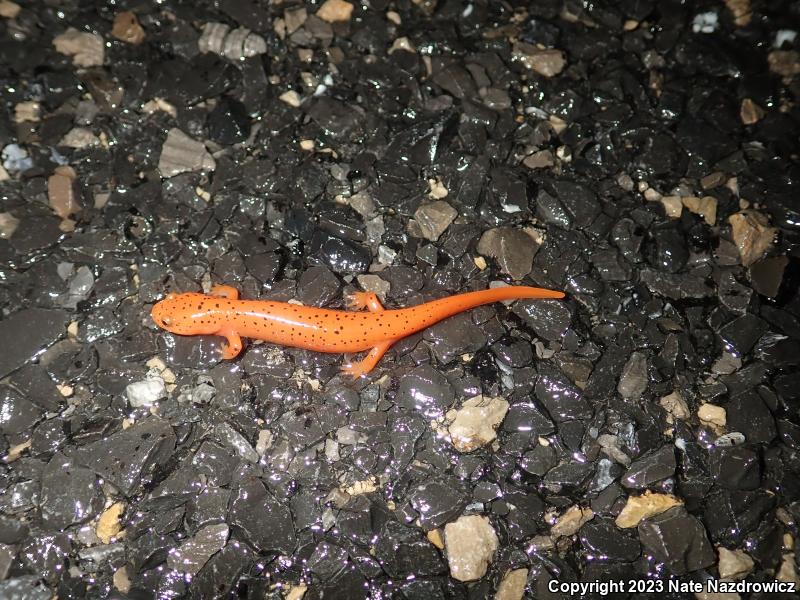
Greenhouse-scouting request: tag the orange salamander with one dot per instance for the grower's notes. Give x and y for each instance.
(319, 329)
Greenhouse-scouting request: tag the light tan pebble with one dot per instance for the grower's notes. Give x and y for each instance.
(733, 565)
(788, 570)
(750, 112)
(651, 194)
(127, 28)
(294, 19)
(752, 235)
(61, 192)
(27, 112)
(712, 415)
(8, 224)
(334, 11)
(291, 98)
(512, 586)
(159, 104)
(16, 451)
(122, 580)
(86, 49)
(436, 189)
(675, 405)
(470, 542)
(571, 521)
(785, 63)
(435, 537)
(547, 62)
(741, 11)
(296, 592)
(673, 207)
(79, 137)
(475, 423)
(706, 207)
(108, 525)
(641, 507)
(402, 43)
(8, 9)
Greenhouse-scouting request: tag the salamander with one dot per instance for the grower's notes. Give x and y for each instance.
(319, 329)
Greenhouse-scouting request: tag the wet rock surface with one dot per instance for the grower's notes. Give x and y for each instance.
(642, 158)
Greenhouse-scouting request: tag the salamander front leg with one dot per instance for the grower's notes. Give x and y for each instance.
(365, 365)
(233, 347)
(225, 291)
(362, 300)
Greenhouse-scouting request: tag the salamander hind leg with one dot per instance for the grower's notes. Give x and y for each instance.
(233, 347)
(365, 365)
(362, 300)
(225, 291)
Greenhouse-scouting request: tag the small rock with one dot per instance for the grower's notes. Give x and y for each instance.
(373, 283)
(726, 364)
(27, 112)
(471, 543)
(706, 207)
(734, 564)
(291, 98)
(8, 223)
(750, 112)
(108, 525)
(86, 49)
(675, 405)
(333, 11)
(712, 414)
(294, 19)
(766, 275)
(741, 11)
(633, 381)
(146, 393)
(238, 44)
(788, 570)
(181, 154)
(678, 540)
(16, 158)
(539, 160)
(79, 137)
(8, 9)
(673, 206)
(571, 521)
(512, 586)
(713, 180)
(785, 63)
(651, 468)
(476, 422)
(644, 506)
(61, 193)
(195, 552)
(433, 219)
(127, 28)
(548, 62)
(513, 249)
(751, 234)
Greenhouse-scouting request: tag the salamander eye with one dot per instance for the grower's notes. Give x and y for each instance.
(171, 295)
(166, 321)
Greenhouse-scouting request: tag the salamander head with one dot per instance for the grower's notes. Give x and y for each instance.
(186, 314)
